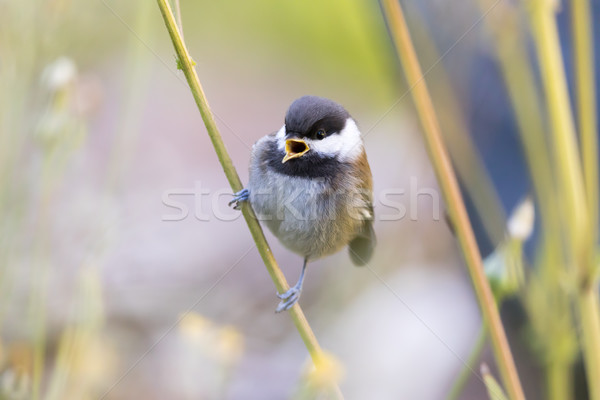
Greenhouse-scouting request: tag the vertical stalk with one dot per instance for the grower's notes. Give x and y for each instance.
(585, 99)
(588, 310)
(507, 36)
(187, 66)
(469, 166)
(451, 192)
(465, 373)
(564, 141)
(558, 384)
(577, 223)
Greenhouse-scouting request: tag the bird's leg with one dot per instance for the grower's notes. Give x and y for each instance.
(289, 298)
(238, 198)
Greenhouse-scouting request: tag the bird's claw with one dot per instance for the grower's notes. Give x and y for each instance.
(238, 198)
(288, 299)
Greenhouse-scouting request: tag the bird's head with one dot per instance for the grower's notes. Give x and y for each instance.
(317, 128)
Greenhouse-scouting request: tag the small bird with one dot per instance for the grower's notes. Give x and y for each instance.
(311, 184)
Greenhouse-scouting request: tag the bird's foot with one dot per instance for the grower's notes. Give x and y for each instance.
(238, 198)
(288, 299)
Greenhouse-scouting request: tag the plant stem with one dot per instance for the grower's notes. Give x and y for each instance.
(558, 382)
(585, 99)
(494, 390)
(588, 308)
(187, 66)
(506, 29)
(564, 141)
(467, 161)
(451, 192)
(465, 373)
(577, 223)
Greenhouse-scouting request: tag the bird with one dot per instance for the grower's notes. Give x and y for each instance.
(310, 183)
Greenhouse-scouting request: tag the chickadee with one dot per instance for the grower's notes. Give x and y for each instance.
(311, 184)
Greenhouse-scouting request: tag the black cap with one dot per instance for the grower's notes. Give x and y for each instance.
(308, 111)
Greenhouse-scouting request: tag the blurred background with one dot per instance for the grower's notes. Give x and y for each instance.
(108, 291)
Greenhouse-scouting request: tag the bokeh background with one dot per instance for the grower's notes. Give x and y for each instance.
(104, 296)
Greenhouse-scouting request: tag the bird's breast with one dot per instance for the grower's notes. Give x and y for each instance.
(308, 215)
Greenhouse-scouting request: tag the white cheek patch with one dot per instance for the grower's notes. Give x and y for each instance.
(345, 146)
(280, 136)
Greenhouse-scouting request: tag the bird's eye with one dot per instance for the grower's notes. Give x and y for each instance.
(321, 134)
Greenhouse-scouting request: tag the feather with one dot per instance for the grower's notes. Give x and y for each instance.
(362, 246)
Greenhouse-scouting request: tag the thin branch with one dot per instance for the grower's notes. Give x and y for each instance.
(451, 192)
(577, 223)
(564, 140)
(585, 90)
(186, 64)
(585, 98)
(461, 381)
(505, 28)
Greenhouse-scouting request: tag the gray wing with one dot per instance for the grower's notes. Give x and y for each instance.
(362, 246)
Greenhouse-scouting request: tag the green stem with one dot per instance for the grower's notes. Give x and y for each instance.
(466, 159)
(519, 78)
(590, 326)
(470, 365)
(451, 193)
(564, 141)
(585, 98)
(577, 223)
(187, 66)
(558, 382)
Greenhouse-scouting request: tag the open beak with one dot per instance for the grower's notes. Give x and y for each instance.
(294, 148)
